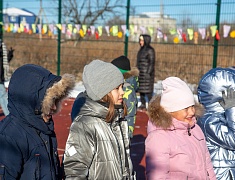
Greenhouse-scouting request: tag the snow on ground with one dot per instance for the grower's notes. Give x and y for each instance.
(79, 87)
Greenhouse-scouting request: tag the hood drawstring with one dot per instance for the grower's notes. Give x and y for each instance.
(189, 133)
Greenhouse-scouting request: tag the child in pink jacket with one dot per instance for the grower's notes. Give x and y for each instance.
(175, 146)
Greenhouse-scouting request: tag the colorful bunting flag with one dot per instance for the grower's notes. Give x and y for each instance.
(100, 30)
(213, 30)
(226, 29)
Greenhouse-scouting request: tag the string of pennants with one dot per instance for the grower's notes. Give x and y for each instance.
(120, 31)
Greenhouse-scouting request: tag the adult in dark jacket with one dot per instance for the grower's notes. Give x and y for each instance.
(5, 57)
(28, 145)
(146, 66)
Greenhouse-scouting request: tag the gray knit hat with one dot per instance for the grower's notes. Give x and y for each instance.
(99, 78)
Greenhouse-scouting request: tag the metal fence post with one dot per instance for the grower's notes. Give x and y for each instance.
(59, 40)
(127, 27)
(215, 40)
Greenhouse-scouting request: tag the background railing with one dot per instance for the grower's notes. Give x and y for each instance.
(189, 37)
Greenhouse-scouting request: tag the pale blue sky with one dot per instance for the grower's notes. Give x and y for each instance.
(200, 11)
(49, 7)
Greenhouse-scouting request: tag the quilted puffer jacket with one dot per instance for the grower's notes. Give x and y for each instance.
(95, 148)
(218, 124)
(146, 66)
(28, 145)
(130, 87)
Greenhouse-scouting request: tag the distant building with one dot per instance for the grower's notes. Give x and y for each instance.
(18, 16)
(154, 19)
(158, 22)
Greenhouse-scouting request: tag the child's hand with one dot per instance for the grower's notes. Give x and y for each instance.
(228, 101)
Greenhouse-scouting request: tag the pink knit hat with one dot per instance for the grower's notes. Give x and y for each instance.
(176, 95)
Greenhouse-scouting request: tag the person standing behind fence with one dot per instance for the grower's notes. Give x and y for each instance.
(5, 57)
(175, 145)
(130, 87)
(146, 66)
(216, 91)
(98, 145)
(28, 145)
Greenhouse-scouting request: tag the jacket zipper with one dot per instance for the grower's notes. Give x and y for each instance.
(119, 148)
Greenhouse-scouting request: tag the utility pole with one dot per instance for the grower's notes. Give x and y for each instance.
(1, 19)
(215, 54)
(40, 13)
(58, 39)
(127, 27)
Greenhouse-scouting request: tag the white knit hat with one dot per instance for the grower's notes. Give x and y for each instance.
(176, 95)
(100, 78)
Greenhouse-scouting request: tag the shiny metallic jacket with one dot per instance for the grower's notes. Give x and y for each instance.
(95, 148)
(217, 124)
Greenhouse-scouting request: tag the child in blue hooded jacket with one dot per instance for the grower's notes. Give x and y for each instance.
(28, 144)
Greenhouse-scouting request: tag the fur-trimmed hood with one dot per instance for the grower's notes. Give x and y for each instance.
(160, 118)
(133, 72)
(32, 90)
(58, 92)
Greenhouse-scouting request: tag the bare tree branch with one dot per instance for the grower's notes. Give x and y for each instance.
(90, 12)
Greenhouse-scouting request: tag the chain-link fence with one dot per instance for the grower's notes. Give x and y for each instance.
(189, 37)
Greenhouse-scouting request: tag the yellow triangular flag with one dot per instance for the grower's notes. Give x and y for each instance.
(150, 30)
(132, 29)
(8, 29)
(172, 31)
(44, 28)
(81, 32)
(70, 27)
(100, 30)
(21, 27)
(84, 28)
(34, 28)
(59, 26)
(11, 27)
(115, 30)
(213, 30)
(190, 33)
(75, 31)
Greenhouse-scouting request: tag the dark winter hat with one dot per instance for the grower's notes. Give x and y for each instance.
(100, 78)
(122, 63)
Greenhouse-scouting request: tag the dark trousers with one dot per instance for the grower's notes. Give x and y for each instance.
(142, 98)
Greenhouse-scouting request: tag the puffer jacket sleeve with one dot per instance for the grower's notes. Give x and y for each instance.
(151, 57)
(157, 159)
(229, 115)
(219, 128)
(79, 151)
